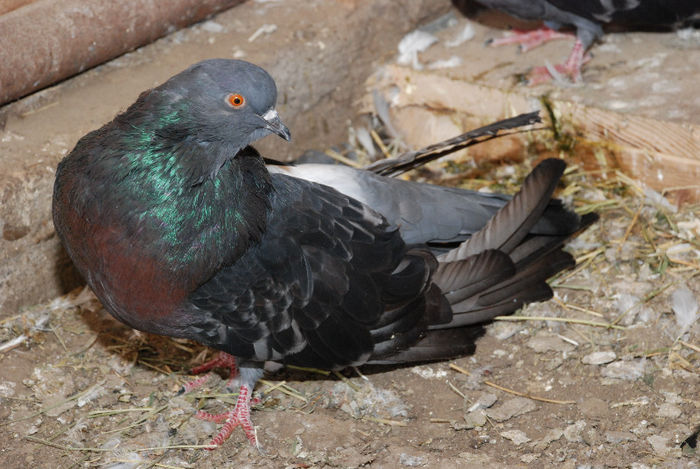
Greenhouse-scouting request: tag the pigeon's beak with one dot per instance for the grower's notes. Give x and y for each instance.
(274, 124)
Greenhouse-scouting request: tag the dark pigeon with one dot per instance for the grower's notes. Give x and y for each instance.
(181, 229)
(587, 17)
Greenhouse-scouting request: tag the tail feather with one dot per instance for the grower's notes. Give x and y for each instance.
(534, 274)
(503, 266)
(461, 279)
(515, 219)
(436, 345)
(474, 313)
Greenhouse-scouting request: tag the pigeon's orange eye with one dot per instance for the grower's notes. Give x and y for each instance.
(235, 100)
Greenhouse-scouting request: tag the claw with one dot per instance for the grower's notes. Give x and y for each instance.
(222, 360)
(570, 68)
(529, 39)
(239, 416)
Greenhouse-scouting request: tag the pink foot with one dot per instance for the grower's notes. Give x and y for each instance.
(240, 415)
(222, 360)
(530, 39)
(571, 68)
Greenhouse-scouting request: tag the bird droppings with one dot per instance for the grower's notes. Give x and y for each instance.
(413, 43)
(452, 62)
(465, 34)
(411, 461)
(368, 401)
(685, 307)
(263, 30)
(428, 372)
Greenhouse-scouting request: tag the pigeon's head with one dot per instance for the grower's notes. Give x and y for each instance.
(226, 101)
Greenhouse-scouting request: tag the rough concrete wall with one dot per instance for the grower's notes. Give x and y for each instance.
(320, 54)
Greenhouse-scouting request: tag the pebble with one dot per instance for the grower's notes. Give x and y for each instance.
(572, 433)
(672, 397)
(511, 408)
(542, 344)
(529, 457)
(212, 27)
(659, 444)
(668, 410)
(629, 370)
(552, 435)
(599, 358)
(617, 436)
(516, 436)
(484, 401)
(475, 419)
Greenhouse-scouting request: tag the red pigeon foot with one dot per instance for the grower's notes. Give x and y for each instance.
(222, 360)
(240, 415)
(571, 68)
(530, 39)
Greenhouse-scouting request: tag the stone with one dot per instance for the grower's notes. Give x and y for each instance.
(545, 343)
(484, 401)
(619, 437)
(511, 408)
(573, 432)
(668, 410)
(516, 436)
(599, 358)
(628, 370)
(475, 419)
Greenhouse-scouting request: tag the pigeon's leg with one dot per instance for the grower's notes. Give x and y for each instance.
(240, 415)
(530, 39)
(570, 68)
(222, 360)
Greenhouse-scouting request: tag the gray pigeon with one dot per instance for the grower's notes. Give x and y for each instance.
(181, 229)
(587, 17)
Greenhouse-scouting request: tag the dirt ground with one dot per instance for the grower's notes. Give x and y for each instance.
(618, 389)
(606, 374)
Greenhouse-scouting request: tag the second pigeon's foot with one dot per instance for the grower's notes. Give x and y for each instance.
(239, 416)
(571, 68)
(530, 39)
(222, 360)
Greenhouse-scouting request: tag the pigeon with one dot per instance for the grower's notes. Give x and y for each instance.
(181, 229)
(587, 17)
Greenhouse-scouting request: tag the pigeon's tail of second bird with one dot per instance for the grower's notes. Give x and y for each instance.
(501, 267)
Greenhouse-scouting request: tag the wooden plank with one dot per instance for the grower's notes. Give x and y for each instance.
(664, 155)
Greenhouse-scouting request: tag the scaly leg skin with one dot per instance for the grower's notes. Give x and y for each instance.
(570, 68)
(240, 415)
(222, 360)
(530, 39)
